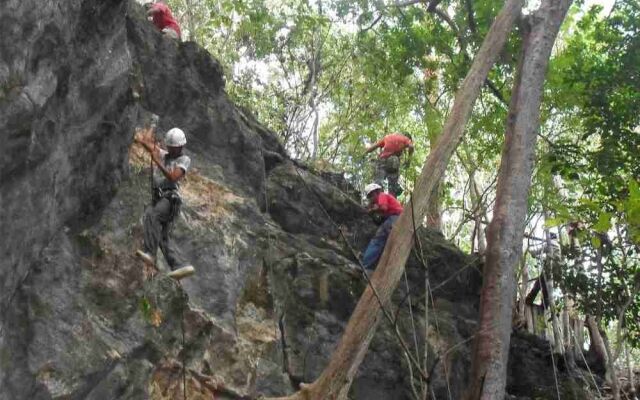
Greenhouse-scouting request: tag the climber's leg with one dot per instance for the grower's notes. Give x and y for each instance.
(394, 186)
(171, 33)
(179, 268)
(393, 175)
(379, 172)
(155, 217)
(169, 248)
(376, 245)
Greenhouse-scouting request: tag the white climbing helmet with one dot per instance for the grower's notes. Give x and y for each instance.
(371, 187)
(175, 138)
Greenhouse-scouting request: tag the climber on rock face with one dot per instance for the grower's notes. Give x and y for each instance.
(388, 208)
(170, 168)
(162, 18)
(388, 163)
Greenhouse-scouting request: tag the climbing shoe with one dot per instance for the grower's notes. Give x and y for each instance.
(146, 257)
(182, 272)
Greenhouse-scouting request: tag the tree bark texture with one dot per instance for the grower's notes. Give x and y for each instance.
(335, 380)
(578, 333)
(630, 373)
(569, 345)
(611, 375)
(434, 213)
(506, 230)
(524, 284)
(597, 346)
(548, 270)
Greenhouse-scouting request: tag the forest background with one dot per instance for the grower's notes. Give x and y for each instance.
(331, 77)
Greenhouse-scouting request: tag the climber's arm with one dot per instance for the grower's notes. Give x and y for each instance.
(173, 174)
(374, 146)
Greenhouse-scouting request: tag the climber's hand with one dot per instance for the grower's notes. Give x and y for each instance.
(157, 158)
(145, 137)
(373, 208)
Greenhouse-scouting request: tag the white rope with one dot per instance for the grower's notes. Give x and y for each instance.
(588, 369)
(413, 325)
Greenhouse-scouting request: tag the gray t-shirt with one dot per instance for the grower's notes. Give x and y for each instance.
(161, 181)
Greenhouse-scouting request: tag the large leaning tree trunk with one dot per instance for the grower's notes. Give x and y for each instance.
(335, 381)
(506, 230)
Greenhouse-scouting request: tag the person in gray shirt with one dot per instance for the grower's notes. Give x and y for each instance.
(170, 167)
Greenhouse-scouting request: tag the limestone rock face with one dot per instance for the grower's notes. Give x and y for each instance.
(274, 243)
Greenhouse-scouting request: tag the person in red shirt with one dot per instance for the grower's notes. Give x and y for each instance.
(388, 162)
(389, 209)
(162, 18)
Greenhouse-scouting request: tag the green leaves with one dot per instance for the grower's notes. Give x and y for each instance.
(630, 208)
(604, 223)
(365, 68)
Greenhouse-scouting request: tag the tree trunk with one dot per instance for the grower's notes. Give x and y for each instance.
(597, 346)
(434, 213)
(524, 281)
(506, 230)
(549, 265)
(568, 336)
(480, 212)
(335, 381)
(630, 374)
(611, 374)
(578, 334)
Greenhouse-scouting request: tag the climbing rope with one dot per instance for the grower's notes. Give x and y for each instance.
(428, 290)
(154, 121)
(425, 375)
(541, 274)
(413, 324)
(383, 308)
(184, 356)
(593, 378)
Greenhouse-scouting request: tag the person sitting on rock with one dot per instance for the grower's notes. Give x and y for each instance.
(388, 163)
(388, 208)
(170, 168)
(160, 13)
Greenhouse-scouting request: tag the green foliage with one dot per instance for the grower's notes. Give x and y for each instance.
(332, 77)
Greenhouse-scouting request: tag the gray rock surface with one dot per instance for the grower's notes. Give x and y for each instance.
(80, 318)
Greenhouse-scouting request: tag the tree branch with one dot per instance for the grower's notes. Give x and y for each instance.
(496, 92)
(470, 19)
(408, 3)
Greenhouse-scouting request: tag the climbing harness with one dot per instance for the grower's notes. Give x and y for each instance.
(174, 198)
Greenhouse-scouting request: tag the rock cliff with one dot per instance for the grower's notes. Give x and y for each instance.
(276, 280)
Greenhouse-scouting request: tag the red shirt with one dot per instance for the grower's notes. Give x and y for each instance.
(162, 17)
(393, 144)
(388, 205)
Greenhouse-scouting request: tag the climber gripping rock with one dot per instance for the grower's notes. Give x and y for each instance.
(160, 14)
(170, 167)
(388, 162)
(388, 209)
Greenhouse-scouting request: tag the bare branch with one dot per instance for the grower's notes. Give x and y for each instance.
(408, 3)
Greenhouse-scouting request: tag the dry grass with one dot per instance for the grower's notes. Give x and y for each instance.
(208, 199)
(256, 327)
(166, 384)
(138, 157)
